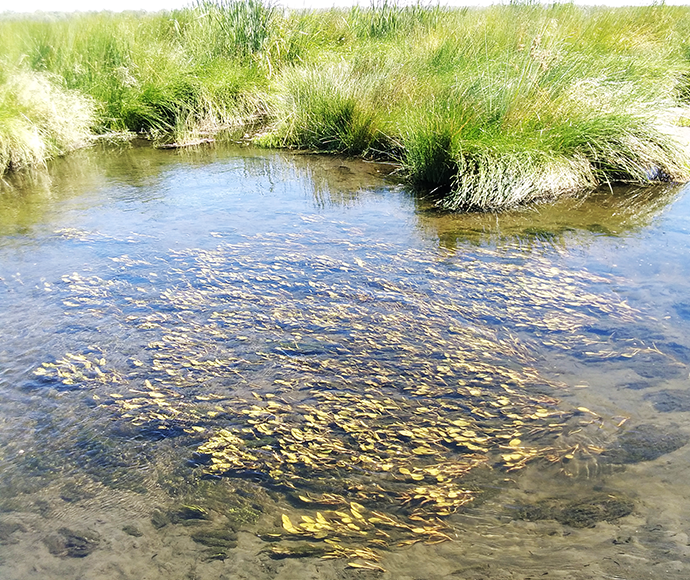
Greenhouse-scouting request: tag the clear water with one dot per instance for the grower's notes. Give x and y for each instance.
(215, 363)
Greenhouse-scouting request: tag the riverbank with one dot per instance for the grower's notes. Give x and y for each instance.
(482, 108)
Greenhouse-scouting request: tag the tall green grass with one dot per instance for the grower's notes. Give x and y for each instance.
(230, 28)
(483, 108)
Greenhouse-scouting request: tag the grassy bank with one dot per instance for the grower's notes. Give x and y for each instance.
(485, 108)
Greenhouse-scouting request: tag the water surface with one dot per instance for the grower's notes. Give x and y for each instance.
(230, 363)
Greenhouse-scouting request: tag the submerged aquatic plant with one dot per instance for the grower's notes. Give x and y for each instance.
(374, 438)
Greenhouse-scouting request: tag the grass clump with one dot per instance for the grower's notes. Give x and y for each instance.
(156, 74)
(489, 151)
(484, 108)
(526, 106)
(40, 119)
(329, 109)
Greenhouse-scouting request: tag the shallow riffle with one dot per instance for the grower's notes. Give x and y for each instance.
(234, 363)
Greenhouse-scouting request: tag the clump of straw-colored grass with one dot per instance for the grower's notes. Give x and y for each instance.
(40, 119)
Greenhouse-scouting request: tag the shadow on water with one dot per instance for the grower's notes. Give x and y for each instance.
(619, 211)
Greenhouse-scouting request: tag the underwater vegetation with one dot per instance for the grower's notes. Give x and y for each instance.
(480, 108)
(266, 361)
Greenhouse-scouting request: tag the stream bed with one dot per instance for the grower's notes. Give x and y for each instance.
(231, 363)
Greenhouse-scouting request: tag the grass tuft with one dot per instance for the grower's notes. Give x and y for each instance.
(40, 119)
(230, 28)
(328, 109)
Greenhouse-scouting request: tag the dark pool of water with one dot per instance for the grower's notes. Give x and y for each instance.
(230, 363)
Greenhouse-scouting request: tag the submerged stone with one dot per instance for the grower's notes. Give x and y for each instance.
(659, 370)
(73, 491)
(655, 365)
(43, 382)
(159, 519)
(584, 513)
(683, 310)
(644, 443)
(216, 538)
(670, 401)
(132, 531)
(7, 529)
(638, 385)
(72, 544)
(679, 351)
(156, 430)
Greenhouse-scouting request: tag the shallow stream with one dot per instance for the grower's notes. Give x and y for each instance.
(235, 363)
